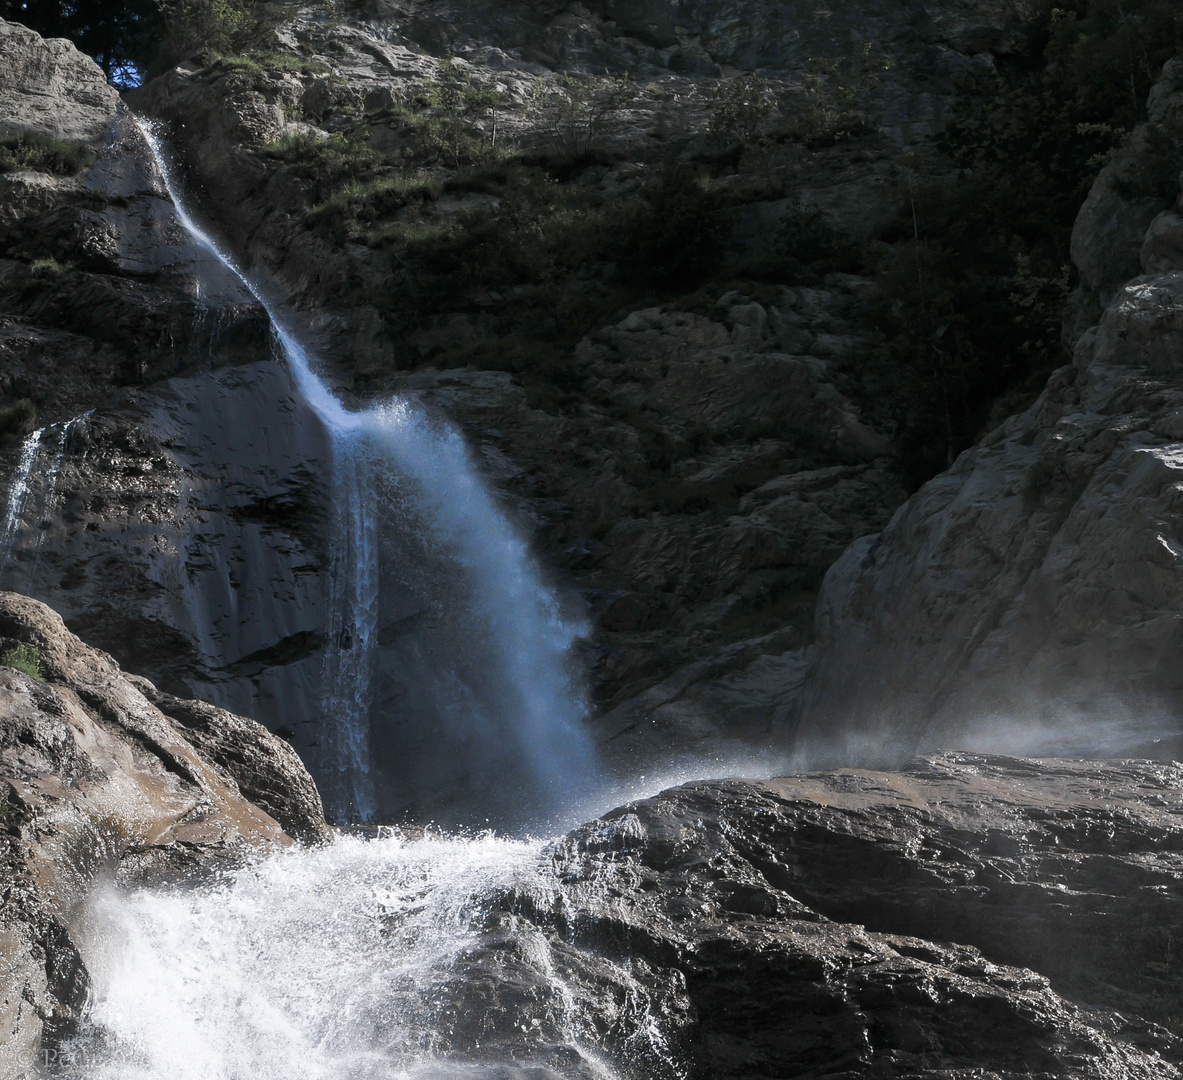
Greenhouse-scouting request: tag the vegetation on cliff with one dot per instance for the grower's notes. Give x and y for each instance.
(972, 274)
(975, 279)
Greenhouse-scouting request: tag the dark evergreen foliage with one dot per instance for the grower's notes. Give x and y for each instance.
(116, 34)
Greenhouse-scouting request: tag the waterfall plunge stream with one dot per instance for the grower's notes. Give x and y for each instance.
(352, 960)
(502, 706)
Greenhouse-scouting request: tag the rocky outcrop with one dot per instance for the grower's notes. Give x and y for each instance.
(99, 783)
(1111, 228)
(1029, 596)
(965, 916)
(50, 86)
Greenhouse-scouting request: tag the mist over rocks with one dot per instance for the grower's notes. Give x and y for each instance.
(860, 923)
(101, 785)
(1029, 597)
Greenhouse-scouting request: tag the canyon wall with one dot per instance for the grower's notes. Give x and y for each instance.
(1030, 596)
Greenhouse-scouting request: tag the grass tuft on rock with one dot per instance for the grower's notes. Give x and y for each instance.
(24, 658)
(17, 419)
(43, 153)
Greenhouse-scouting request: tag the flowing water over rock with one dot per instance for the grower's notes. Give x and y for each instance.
(490, 694)
(341, 962)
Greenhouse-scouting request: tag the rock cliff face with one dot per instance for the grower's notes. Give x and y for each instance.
(967, 916)
(1031, 593)
(104, 777)
(182, 522)
(769, 478)
(172, 504)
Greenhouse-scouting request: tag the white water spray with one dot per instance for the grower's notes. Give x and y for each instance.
(364, 959)
(532, 716)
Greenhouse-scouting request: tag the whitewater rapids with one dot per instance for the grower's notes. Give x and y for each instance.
(345, 962)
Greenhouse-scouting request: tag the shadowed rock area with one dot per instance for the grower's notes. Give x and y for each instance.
(98, 783)
(1029, 597)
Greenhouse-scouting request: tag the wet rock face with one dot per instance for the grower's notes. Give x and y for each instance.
(103, 776)
(966, 916)
(173, 508)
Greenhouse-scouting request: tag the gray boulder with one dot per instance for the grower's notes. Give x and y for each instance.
(49, 86)
(967, 916)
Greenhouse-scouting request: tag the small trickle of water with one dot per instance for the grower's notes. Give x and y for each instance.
(36, 480)
(345, 962)
(17, 494)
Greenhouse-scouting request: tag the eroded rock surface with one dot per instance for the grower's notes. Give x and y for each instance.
(100, 782)
(965, 916)
(679, 549)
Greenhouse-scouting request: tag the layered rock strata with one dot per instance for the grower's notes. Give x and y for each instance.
(104, 778)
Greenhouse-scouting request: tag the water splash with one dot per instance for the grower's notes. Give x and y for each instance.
(517, 716)
(363, 959)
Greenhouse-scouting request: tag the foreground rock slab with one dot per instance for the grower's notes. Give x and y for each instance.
(103, 776)
(966, 916)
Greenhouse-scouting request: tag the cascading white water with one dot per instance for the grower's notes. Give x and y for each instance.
(523, 706)
(340, 963)
(22, 487)
(385, 957)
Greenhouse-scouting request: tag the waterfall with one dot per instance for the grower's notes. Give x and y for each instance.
(497, 708)
(21, 489)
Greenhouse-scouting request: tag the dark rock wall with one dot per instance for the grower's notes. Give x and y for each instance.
(1029, 597)
(176, 507)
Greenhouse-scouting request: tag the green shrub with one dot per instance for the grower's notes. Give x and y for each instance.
(445, 128)
(43, 153)
(47, 267)
(259, 62)
(24, 658)
(676, 234)
(739, 106)
(361, 209)
(325, 163)
(577, 110)
(17, 419)
(190, 27)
